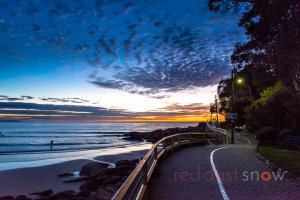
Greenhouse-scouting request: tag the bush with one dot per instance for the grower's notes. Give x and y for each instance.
(266, 134)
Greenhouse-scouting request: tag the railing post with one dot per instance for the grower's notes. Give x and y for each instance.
(190, 136)
(155, 153)
(172, 143)
(145, 173)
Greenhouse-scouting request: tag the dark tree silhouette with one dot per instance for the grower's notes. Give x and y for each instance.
(271, 54)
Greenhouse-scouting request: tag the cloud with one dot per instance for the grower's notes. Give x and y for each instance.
(7, 98)
(194, 107)
(74, 100)
(141, 49)
(47, 112)
(65, 100)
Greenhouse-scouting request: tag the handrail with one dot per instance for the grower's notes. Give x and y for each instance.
(136, 184)
(215, 129)
(218, 130)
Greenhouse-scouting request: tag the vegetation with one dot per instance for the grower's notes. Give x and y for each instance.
(268, 62)
(287, 159)
(267, 134)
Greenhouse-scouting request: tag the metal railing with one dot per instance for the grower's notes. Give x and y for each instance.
(213, 129)
(136, 184)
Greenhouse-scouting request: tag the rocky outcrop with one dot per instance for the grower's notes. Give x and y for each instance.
(43, 193)
(68, 194)
(65, 174)
(7, 198)
(156, 135)
(22, 197)
(93, 168)
(84, 193)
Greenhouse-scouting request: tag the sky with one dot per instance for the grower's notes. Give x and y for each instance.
(112, 60)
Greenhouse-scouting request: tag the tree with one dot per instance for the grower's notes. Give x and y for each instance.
(254, 82)
(273, 30)
(272, 48)
(272, 108)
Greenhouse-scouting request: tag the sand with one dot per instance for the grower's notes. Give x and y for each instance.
(27, 180)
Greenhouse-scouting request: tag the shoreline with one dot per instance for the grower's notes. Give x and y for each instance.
(65, 156)
(23, 178)
(23, 181)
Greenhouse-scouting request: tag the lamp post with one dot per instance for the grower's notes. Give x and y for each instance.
(217, 110)
(232, 96)
(239, 81)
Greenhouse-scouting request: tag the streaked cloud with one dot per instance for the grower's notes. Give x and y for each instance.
(47, 112)
(150, 48)
(46, 99)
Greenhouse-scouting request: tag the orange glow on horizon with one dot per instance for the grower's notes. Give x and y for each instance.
(153, 119)
(142, 119)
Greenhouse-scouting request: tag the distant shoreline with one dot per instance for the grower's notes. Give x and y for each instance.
(152, 122)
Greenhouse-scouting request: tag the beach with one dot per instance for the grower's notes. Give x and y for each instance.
(29, 164)
(24, 181)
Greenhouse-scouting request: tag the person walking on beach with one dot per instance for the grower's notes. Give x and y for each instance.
(51, 144)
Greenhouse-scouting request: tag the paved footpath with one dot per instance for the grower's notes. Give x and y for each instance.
(189, 174)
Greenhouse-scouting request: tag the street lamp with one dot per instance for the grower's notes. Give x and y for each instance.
(239, 81)
(232, 96)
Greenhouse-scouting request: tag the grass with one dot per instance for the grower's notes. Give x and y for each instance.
(286, 159)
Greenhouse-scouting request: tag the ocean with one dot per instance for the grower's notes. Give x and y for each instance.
(28, 144)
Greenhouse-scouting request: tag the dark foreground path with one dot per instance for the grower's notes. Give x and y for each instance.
(188, 174)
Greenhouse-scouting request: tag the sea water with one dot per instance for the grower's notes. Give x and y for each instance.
(28, 144)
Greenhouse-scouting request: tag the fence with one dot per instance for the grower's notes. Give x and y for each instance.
(223, 132)
(136, 184)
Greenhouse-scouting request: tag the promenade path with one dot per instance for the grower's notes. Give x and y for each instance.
(188, 174)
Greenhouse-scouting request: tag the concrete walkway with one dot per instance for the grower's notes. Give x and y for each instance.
(188, 174)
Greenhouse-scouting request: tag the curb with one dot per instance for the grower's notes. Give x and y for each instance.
(275, 168)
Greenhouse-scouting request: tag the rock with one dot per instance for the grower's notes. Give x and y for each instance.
(103, 194)
(125, 173)
(134, 136)
(21, 197)
(91, 185)
(112, 189)
(118, 170)
(92, 168)
(43, 193)
(110, 171)
(120, 182)
(7, 198)
(125, 162)
(136, 160)
(77, 180)
(111, 180)
(96, 172)
(84, 193)
(68, 194)
(122, 162)
(125, 168)
(65, 174)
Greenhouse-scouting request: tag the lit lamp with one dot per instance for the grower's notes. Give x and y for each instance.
(239, 80)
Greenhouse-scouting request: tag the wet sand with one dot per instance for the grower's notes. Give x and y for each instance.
(24, 181)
